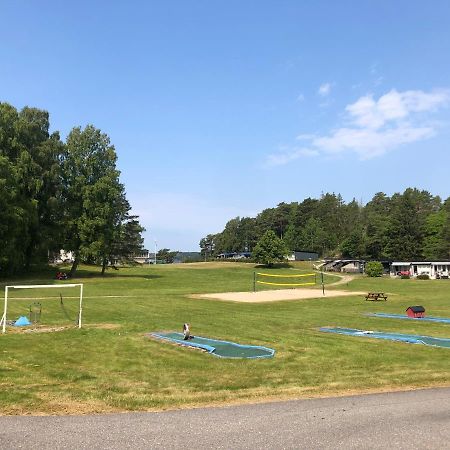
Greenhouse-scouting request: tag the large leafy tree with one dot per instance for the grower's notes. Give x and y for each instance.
(55, 196)
(30, 186)
(41, 182)
(95, 204)
(12, 220)
(270, 249)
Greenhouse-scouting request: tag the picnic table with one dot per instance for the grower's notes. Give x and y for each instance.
(376, 296)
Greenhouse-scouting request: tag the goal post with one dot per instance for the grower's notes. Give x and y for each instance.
(41, 286)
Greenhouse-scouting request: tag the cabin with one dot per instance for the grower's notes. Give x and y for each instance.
(343, 265)
(353, 266)
(416, 312)
(434, 269)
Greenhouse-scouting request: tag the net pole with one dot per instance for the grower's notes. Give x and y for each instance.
(323, 285)
(4, 310)
(81, 306)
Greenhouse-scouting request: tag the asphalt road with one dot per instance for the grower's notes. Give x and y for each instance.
(402, 420)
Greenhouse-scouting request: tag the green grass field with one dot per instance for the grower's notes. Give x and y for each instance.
(110, 365)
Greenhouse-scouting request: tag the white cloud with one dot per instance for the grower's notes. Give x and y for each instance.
(367, 142)
(367, 112)
(324, 89)
(301, 98)
(374, 127)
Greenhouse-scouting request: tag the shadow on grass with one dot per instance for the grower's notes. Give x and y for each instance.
(84, 273)
(48, 272)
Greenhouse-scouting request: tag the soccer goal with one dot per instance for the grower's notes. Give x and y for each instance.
(54, 302)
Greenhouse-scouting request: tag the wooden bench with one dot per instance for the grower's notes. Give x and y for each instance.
(376, 296)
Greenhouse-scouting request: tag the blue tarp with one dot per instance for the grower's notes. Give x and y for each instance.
(22, 321)
(420, 319)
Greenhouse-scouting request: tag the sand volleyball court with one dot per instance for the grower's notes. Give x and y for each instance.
(277, 295)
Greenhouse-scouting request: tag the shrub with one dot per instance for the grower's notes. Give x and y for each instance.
(405, 277)
(423, 276)
(374, 269)
(270, 249)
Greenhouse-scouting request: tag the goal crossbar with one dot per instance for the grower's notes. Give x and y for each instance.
(40, 286)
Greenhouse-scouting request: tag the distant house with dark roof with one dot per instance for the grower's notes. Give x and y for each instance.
(303, 255)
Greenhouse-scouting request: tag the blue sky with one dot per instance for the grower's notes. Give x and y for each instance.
(222, 109)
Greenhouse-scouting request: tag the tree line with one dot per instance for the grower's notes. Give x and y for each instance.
(60, 195)
(409, 225)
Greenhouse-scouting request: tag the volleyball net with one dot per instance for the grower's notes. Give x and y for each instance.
(270, 279)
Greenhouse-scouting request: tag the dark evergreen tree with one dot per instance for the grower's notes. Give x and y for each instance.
(376, 216)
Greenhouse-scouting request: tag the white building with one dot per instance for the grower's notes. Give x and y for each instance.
(63, 256)
(438, 269)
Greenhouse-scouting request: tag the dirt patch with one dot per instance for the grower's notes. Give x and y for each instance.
(276, 295)
(54, 329)
(103, 326)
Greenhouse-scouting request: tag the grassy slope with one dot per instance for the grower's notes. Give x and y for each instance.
(115, 367)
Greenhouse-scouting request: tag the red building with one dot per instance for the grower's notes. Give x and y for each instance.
(416, 311)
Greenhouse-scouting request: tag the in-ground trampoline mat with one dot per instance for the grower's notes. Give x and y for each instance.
(219, 348)
(409, 338)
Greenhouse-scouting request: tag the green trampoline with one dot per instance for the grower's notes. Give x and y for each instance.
(409, 338)
(221, 349)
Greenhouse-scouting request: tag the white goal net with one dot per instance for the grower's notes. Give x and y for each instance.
(58, 305)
